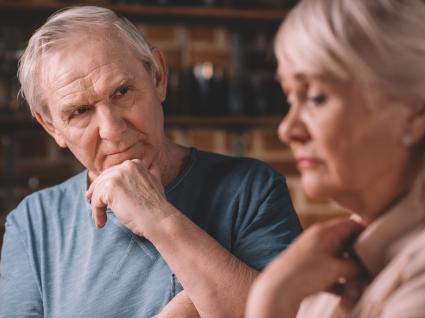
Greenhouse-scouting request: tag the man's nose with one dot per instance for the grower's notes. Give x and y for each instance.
(111, 123)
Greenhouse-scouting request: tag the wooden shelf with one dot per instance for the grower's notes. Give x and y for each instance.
(227, 122)
(10, 121)
(7, 118)
(24, 11)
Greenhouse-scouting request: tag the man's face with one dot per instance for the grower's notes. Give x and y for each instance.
(104, 105)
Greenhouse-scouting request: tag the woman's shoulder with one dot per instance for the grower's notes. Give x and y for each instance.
(415, 254)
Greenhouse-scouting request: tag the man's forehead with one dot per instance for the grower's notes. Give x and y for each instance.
(65, 87)
(84, 65)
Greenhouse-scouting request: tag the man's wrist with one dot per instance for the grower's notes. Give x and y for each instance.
(162, 223)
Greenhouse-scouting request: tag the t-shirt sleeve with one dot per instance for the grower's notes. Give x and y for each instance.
(269, 224)
(19, 294)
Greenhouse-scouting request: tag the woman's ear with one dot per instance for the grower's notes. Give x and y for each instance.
(49, 126)
(161, 77)
(416, 122)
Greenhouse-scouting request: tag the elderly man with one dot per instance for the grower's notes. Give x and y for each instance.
(148, 217)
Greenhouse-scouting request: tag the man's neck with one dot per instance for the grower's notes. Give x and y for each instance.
(172, 161)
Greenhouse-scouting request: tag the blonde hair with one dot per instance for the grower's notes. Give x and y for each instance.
(378, 43)
(64, 25)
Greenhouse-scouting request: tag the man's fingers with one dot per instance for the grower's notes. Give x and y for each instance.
(99, 216)
(155, 171)
(89, 191)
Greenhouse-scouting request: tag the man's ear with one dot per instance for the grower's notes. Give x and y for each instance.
(416, 122)
(48, 126)
(161, 78)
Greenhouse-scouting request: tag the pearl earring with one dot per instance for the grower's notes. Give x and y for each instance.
(407, 139)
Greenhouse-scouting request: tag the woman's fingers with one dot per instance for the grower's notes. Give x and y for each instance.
(344, 229)
(348, 269)
(336, 235)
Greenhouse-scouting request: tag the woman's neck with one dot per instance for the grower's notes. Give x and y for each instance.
(378, 197)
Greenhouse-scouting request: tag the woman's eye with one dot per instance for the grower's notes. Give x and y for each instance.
(121, 91)
(318, 100)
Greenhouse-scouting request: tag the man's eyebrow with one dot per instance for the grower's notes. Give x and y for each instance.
(68, 108)
(119, 83)
(114, 85)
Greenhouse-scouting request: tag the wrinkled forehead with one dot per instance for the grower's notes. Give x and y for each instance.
(83, 57)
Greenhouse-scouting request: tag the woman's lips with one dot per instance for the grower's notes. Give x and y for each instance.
(307, 163)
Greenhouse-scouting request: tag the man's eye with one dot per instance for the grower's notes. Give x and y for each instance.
(80, 110)
(121, 91)
(318, 100)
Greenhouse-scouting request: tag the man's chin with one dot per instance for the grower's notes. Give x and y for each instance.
(116, 160)
(110, 162)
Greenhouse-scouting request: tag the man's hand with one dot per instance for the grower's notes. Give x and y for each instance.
(135, 194)
(316, 261)
(216, 281)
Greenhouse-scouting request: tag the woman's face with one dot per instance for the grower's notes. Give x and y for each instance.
(345, 145)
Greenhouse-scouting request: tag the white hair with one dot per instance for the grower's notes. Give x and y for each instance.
(61, 27)
(377, 43)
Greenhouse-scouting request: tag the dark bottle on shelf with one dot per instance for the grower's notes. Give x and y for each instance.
(239, 99)
(188, 96)
(219, 92)
(9, 55)
(170, 103)
(4, 88)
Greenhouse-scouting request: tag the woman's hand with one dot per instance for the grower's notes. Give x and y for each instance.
(317, 261)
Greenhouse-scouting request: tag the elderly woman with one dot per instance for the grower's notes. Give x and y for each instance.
(354, 74)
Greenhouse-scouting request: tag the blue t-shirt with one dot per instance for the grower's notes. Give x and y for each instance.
(56, 264)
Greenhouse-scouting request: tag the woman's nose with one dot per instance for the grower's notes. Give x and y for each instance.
(292, 128)
(282, 131)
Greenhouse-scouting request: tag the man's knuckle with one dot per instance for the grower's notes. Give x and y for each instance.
(127, 164)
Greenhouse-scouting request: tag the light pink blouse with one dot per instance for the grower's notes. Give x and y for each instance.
(392, 248)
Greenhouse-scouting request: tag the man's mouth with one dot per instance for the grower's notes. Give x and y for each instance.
(120, 151)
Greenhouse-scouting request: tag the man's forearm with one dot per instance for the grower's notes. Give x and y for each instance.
(215, 280)
(180, 306)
